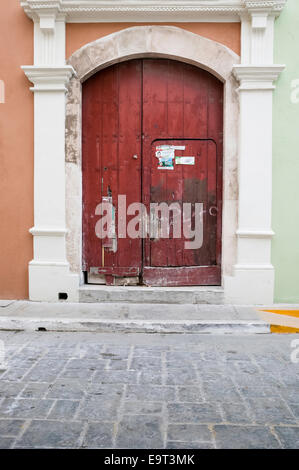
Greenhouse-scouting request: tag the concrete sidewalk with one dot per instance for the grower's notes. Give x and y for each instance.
(135, 317)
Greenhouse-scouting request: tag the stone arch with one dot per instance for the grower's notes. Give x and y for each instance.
(158, 41)
(141, 42)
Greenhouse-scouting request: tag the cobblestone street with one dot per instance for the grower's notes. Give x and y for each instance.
(92, 390)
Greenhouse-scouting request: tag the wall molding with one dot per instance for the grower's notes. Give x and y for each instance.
(254, 233)
(150, 10)
(47, 78)
(261, 72)
(257, 77)
(48, 232)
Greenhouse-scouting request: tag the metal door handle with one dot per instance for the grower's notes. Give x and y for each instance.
(213, 211)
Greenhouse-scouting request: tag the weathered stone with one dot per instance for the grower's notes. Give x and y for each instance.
(193, 413)
(91, 364)
(25, 408)
(13, 374)
(150, 392)
(9, 389)
(82, 374)
(190, 394)
(116, 377)
(35, 390)
(235, 412)
(51, 434)
(188, 433)
(140, 432)
(105, 390)
(142, 408)
(64, 410)
(99, 409)
(244, 437)
(6, 442)
(288, 436)
(118, 364)
(10, 427)
(150, 377)
(189, 445)
(181, 376)
(99, 436)
(146, 363)
(67, 389)
(271, 410)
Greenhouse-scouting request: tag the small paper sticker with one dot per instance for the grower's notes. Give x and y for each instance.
(165, 153)
(184, 160)
(166, 163)
(168, 147)
(163, 147)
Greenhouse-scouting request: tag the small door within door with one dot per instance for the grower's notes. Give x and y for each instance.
(183, 207)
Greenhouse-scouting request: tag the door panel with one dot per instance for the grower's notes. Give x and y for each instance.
(186, 183)
(111, 143)
(182, 106)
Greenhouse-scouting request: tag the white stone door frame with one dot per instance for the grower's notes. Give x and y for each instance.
(248, 275)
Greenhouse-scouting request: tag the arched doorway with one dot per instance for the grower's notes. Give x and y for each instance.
(152, 135)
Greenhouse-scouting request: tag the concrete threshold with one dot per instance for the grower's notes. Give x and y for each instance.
(90, 293)
(132, 318)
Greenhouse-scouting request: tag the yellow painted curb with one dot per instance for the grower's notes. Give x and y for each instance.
(289, 313)
(281, 321)
(283, 329)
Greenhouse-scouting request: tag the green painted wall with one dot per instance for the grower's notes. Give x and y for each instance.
(285, 250)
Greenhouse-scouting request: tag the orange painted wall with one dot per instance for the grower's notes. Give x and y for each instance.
(78, 34)
(16, 151)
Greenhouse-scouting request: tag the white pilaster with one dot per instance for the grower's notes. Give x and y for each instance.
(49, 270)
(253, 280)
(49, 273)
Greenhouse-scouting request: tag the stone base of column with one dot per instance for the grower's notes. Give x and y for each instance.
(52, 282)
(250, 284)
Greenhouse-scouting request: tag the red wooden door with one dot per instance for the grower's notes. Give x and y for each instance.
(130, 112)
(182, 106)
(111, 125)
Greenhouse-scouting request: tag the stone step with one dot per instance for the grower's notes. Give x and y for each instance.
(132, 318)
(154, 295)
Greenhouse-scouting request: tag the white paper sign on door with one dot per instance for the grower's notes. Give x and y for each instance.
(185, 160)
